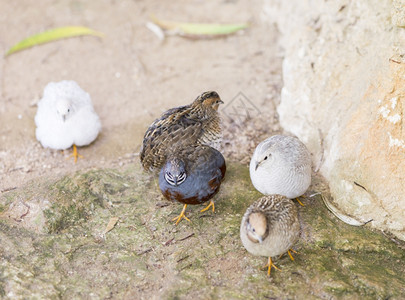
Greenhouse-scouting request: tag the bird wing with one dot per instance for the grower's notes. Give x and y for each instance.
(173, 130)
(172, 120)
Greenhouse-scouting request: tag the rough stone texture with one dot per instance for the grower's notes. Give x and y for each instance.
(55, 248)
(145, 256)
(343, 95)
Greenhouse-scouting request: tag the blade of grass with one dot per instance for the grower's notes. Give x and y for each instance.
(199, 28)
(52, 35)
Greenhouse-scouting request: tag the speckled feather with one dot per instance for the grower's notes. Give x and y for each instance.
(283, 226)
(197, 123)
(205, 168)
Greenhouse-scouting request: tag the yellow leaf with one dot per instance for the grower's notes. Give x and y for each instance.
(111, 224)
(199, 28)
(52, 35)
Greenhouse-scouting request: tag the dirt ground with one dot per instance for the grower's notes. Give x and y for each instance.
(133, 77)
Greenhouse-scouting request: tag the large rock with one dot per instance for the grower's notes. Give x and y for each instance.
(343, 96)
(71, 254)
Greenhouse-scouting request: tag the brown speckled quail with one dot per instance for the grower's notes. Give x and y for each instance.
(270, 227)
(196, 123)
(192, 175)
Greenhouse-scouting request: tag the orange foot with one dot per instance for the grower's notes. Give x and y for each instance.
(208, 206)
(298, 200)
(269, 265)
(289, 254)
(181, 216)
(75, 154)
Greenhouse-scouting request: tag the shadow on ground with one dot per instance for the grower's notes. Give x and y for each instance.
(53, 246)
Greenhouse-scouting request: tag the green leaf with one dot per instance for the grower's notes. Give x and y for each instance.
(52, 35)
(199, 28)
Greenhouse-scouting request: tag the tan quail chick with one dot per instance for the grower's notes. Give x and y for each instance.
(281, 165)
(196, 123)
(270, 227)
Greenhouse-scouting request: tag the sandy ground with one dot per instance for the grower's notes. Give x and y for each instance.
(132, 77)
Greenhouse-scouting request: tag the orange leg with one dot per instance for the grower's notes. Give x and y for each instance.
(208, 206)
(298, 200)
(269, 265)
(181, 216)
(289, 254)
(75, 154)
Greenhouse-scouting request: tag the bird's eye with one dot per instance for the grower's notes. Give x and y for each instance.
(265, 158)
(254, 230)
(68, 109)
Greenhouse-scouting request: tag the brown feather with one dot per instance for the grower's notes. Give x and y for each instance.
(196, 123)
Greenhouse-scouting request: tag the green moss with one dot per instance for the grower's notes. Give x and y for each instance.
(66, 216)
(2, 283)
(75, 198)
(145, 255)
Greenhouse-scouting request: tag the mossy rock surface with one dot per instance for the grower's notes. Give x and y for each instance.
(145, 256)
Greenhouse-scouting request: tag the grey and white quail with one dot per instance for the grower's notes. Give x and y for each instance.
(281, 165)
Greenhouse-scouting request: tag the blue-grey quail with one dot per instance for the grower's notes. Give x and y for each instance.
(192, 175)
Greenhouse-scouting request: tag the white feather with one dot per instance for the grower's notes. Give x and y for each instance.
(286, 170)
(66, 116)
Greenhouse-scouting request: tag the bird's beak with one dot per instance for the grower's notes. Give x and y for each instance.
(221, 102)
(64, 118)
(257, 165)
(175, 181)
(260, 239)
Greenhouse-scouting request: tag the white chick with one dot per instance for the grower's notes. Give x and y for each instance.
(66, 117)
